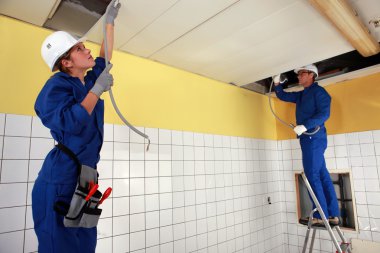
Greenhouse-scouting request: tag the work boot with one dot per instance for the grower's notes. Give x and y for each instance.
(334, 221)
(314, 221)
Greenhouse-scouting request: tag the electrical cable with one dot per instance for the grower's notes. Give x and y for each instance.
(284, 122)
(110, 91)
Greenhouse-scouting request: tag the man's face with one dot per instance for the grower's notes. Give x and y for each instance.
(305, 78)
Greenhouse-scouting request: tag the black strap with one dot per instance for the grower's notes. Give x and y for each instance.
(61, 207)
(70, 153)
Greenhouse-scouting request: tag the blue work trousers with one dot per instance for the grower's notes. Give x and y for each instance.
(314, 165)
(53, 236)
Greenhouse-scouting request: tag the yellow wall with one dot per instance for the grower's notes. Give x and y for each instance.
(148, 93)
(355, 107)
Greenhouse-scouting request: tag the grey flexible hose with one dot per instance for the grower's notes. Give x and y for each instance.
(110, 91)
(284, 122)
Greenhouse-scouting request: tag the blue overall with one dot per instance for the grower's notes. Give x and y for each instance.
(312, 110)
(58, 106)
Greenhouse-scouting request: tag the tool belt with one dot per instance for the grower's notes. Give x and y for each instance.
(83, 210)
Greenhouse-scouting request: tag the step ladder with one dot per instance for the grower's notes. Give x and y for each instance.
(343, 247)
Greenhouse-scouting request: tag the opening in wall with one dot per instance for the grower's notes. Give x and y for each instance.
(343, 188)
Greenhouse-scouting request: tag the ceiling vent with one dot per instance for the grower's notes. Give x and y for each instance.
(76, 16)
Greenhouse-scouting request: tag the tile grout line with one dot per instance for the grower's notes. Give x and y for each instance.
(112, 182)
(27, 184)
(2, 150)
(129, 190)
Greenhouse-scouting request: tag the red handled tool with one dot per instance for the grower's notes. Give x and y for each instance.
(106, 194)
(93, 189)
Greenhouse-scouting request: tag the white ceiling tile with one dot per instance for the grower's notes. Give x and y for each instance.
(35, 12)
(225, 24)
(184, 16)
(255, 45)
(133, 17)
(286, 49)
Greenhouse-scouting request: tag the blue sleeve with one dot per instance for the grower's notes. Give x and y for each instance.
(94, 73)
(58, 109)
(286, 96)
(323, 103)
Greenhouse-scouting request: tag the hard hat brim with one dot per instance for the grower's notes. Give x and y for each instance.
(299, 69)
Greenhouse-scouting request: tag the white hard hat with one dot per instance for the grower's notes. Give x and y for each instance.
(55, 45)
(310, 67)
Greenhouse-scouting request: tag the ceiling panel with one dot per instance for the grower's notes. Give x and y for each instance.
(282, 46)
(226, 24)
(31, 11)
(279, 56)
(253, 46)
(186, 14)
(134, 17)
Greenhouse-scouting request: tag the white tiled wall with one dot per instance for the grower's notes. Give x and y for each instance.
(191, 192)
(357, 152)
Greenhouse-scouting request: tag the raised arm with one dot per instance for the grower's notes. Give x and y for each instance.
(110, 39)
(105, 80)
(110, 22)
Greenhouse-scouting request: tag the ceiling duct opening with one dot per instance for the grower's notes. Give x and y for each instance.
(335, 66)
(76, 16)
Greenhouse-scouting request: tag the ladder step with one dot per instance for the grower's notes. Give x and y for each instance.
(306, 223)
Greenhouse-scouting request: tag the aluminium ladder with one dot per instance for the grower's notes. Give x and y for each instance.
(344, 247)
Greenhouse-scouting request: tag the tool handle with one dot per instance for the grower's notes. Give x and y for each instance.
(106, 194)
(92, 191)
(90, 185)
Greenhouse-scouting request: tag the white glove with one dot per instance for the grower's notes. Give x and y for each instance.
(112, 14)
(300, 129)
(276, 78)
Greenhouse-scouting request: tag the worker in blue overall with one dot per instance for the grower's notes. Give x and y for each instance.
(312, 110)
(69, 105)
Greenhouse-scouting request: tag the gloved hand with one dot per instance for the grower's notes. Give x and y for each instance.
(300, 129)
(277, 79)
(112, 13)
(104, 82)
